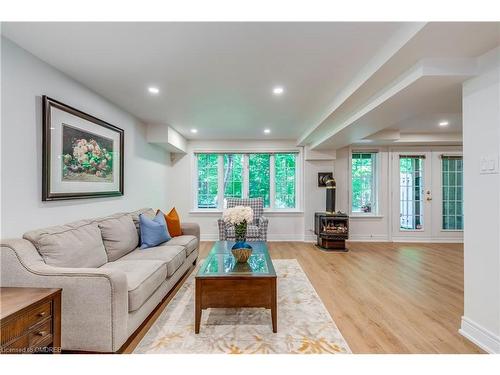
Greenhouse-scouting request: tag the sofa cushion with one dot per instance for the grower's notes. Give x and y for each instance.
(143, 278)
(119, 236)
(172, 256)
(188, 241)
(149, 212)
(77, 245)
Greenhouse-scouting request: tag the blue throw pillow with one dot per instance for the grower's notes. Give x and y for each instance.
(153, 232)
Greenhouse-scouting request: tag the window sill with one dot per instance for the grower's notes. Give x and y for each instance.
(218, 212)
(365, 216)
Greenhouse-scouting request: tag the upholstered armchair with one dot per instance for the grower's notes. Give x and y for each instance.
(256, 231)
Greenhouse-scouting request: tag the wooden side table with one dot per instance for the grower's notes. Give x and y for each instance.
(30, 320)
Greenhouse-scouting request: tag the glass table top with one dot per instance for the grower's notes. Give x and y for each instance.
(220, 262)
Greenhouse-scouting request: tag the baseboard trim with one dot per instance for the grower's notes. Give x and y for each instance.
(270, 237)
(480, 336)
(353, 238)
(369, 238)
(427, 239)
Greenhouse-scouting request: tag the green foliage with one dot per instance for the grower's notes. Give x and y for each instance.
(88, 157)
(258, 178)
(259, 181)
(362, 168)
(240, 231)
(284, 180)
(233, 175)
(207, 180)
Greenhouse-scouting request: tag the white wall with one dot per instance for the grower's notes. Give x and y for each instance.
(24, 80)
(314, 196)
(481, 128)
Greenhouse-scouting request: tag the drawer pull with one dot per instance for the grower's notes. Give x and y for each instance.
(42, 314)
(42, 333)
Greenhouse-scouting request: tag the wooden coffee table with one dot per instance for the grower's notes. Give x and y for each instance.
(221, 282)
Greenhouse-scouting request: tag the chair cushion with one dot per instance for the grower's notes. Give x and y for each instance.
(119, 236)
(252, 231)
(143, 278)
(188, 241)
(172, 256)
(78, 244)
(257, 205)
(153, 232)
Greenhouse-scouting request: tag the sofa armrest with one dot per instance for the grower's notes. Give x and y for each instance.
(94, 300)
(192, 229)
(263, 224)
(222, 229)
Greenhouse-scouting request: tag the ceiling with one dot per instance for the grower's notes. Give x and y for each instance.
(442, 42)
(343, 81)
(215, 77)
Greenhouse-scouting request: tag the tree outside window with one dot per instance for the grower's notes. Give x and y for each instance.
(363, 182)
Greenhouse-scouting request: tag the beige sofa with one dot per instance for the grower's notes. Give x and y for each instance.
(109, 284)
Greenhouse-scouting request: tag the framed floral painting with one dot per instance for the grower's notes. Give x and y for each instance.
(82, 155)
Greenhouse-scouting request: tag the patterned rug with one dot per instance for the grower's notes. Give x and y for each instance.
(304, 324)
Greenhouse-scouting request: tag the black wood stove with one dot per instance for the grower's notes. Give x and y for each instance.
(330, 227)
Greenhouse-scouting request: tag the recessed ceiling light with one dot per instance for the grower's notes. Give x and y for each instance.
(278, 90)
(267, 131)
(194, 131)
(153, 90)
(443, 123)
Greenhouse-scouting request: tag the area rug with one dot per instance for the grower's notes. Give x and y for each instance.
(304, 324)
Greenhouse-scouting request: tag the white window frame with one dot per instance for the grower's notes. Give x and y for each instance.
(376, 182)
(299, 165)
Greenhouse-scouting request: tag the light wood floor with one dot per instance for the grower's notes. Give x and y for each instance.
(384, 297)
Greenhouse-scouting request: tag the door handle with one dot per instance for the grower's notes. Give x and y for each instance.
(428, 195)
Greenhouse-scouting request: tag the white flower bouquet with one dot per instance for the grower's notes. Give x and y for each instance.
(238, 216)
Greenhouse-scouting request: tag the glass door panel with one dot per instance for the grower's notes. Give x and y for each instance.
(452, 187)
(411, 190)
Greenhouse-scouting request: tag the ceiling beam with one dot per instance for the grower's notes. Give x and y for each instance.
(393, 45)
(344, 132)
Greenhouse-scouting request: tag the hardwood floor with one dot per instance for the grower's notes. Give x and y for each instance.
(384, 297)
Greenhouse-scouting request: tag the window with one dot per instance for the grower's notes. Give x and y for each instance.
(452, 182)
(259, 177)
(411, 182)
(207, 180)
(285, 180)
(363, 180)
(233, 175)
(272, 176)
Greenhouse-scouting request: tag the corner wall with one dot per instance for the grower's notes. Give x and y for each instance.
(25, 79)
(481, 127)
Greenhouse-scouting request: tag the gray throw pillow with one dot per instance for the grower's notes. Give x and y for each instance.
(73, 247)
(119, 236)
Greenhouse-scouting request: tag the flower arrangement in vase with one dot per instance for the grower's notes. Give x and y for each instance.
(240, 217)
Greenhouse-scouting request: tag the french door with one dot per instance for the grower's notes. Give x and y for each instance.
(427, 195)
(411, 195)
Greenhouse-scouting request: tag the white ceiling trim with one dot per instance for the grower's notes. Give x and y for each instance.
(394, 44)
(424, 68)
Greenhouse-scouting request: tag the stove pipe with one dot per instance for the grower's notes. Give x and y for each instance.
(331, 187)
